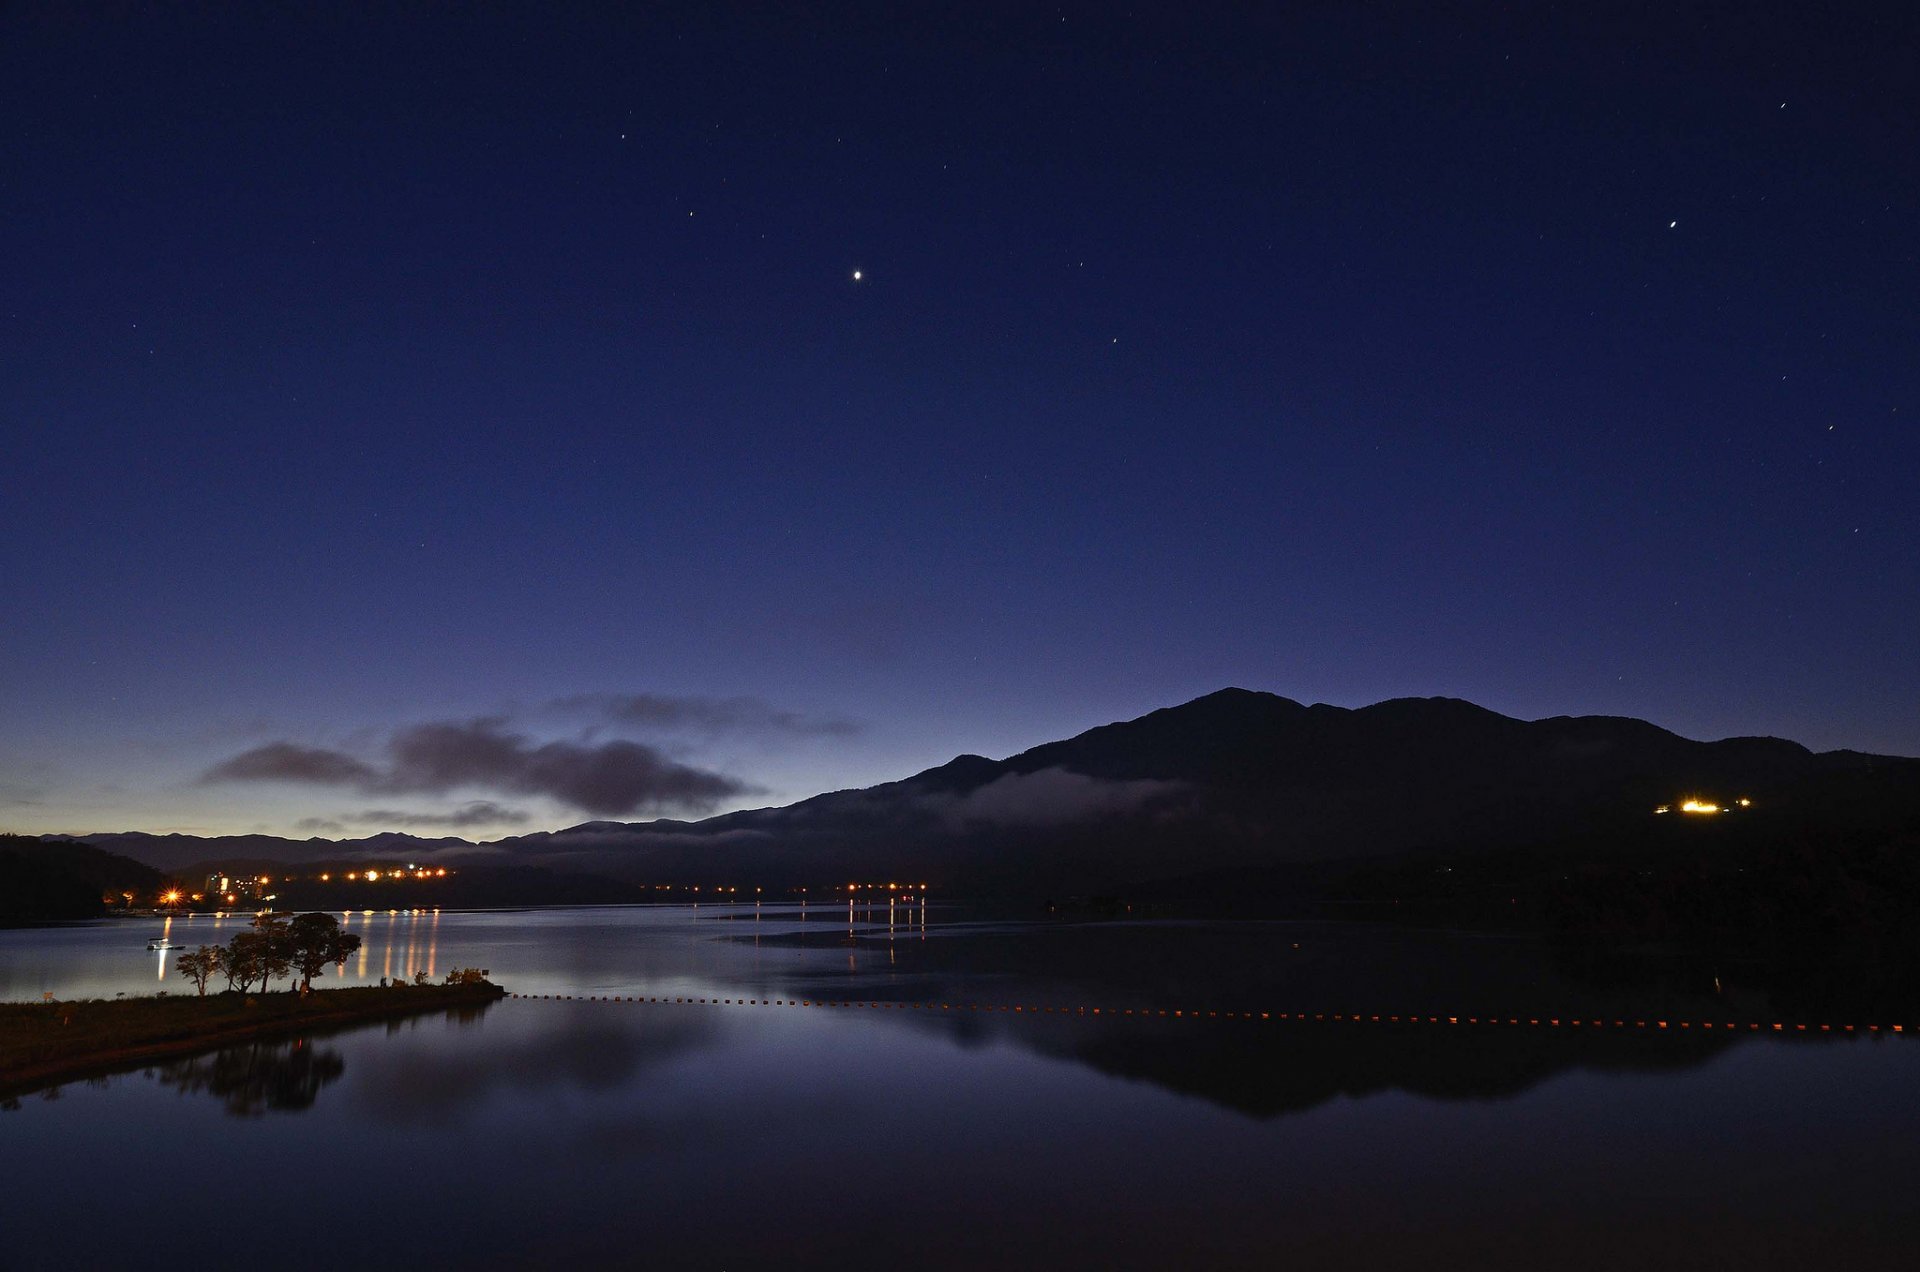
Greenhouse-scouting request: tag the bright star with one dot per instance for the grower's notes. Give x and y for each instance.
(856, 275)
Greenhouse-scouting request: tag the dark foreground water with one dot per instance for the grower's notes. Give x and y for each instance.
(598, 1133)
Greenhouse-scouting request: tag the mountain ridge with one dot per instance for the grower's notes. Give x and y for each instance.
(1235, 780)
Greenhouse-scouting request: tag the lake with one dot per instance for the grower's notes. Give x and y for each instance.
(927, 1122)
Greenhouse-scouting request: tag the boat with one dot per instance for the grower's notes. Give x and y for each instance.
(162, 943)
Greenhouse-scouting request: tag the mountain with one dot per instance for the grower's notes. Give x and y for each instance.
(1239, 782)
(43, 879)
(1235, 786)
(178, 853)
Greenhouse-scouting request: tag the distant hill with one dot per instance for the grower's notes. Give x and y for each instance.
(180, 854)
(42, 879)
(1235, 789)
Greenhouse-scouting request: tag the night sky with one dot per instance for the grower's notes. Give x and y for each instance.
(491, 417)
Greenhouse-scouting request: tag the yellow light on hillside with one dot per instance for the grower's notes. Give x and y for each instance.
(1699, 806)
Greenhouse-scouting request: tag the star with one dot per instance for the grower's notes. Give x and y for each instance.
(856, 275)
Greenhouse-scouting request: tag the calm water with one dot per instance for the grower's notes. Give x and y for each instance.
(671, 1136)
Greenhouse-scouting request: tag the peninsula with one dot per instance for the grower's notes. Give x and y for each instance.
(48, 1042)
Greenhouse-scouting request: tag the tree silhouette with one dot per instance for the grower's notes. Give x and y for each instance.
(274, 948)
(315, 940)
(200, 966)
(258, 1078)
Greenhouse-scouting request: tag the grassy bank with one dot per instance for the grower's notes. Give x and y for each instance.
(45, 1042)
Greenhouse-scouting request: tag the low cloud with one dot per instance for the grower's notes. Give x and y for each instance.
(481, 812)
(320, 825)
(608, 779)
(730, 715)
(1051, 797)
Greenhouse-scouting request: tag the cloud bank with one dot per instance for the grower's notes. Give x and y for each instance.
(608, 779)
(732, 715)
(479, 812)
(1050, 797)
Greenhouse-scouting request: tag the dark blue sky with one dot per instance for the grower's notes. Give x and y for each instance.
(359, 373)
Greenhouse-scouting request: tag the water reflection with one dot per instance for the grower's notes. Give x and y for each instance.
(1258, 1070)
(250, 1079)
(604, 1133)
(279, 1077)
(592, 1052)
(1265, 1070)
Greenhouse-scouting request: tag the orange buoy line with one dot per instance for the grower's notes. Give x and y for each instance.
(1181, 1013)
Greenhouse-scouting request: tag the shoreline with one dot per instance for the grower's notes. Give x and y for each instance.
(46, 1044)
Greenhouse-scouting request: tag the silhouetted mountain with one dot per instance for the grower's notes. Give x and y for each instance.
(61, 879)
(183, 853)
(1251, 787)
(1237, 789)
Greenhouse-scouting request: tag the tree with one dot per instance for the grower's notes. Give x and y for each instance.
(275, 948)
(313, 941)
(201, 965)
(241, 960)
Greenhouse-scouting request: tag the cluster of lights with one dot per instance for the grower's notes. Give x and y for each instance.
(397, 872)
(726, 889)
(1704, 807)
(723, 889)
